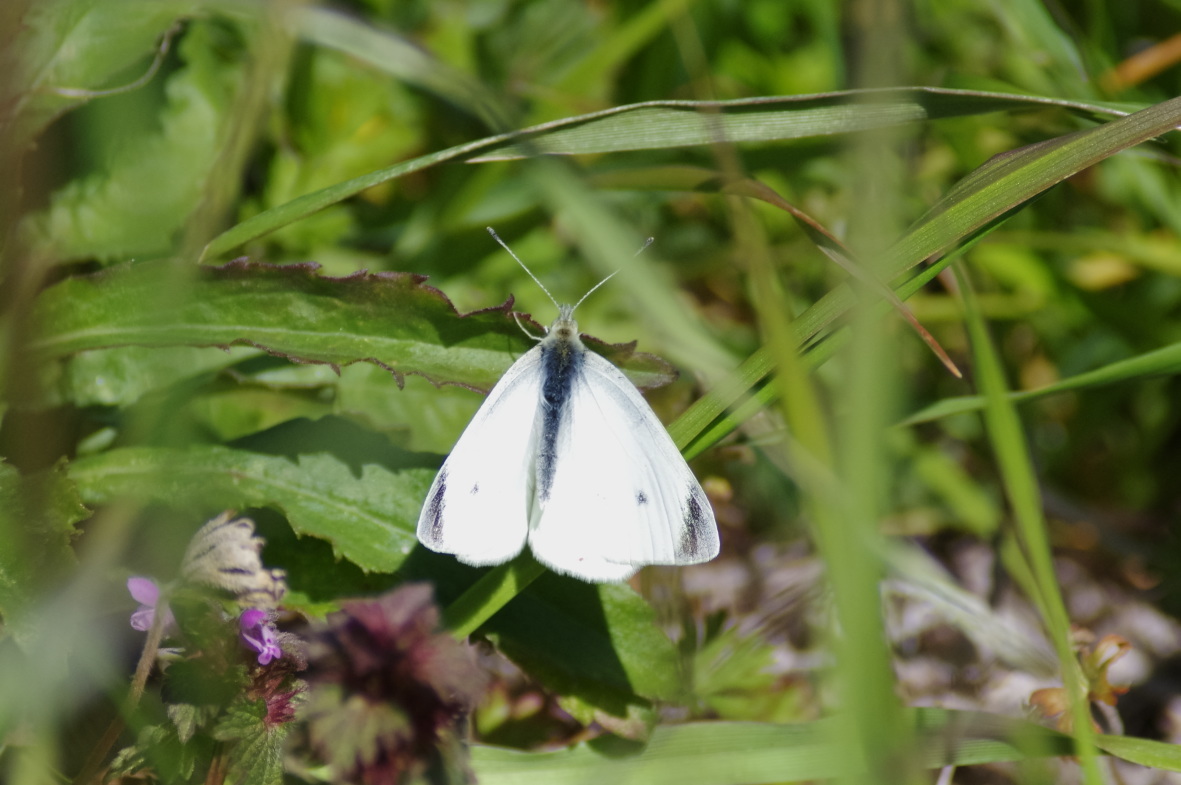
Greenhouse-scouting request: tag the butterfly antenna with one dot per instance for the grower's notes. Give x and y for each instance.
(504, 245)
(592, 289)
(643, 248)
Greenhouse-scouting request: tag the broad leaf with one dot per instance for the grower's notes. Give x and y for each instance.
(256, 749)
(393, 320)
(369, 516)
(153, 183)
(596, 645)
(69, 48)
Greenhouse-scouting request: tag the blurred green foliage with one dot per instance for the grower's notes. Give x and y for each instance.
(153, 381)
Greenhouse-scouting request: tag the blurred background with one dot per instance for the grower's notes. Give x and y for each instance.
(136, 137)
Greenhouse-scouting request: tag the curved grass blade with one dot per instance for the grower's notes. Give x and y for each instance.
(1008, 442)
(974, 207)
(661, 125)
(1165, 361)
(722, 753)
(665, 125)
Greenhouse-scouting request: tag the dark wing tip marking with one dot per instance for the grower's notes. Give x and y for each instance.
(698, 542)
(435, 506)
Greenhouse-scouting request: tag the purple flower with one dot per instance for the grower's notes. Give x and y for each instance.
(147, 594)
(260, 635)
(390, 690)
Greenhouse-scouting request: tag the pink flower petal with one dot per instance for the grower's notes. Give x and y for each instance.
(143, 590)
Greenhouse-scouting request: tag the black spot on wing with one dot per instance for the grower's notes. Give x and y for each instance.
(435, 505)
(641, 498)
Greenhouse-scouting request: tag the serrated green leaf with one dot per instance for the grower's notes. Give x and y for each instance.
(242, 720)
(186, 718)
(369, 518)
(392, 319)
(157, 749)
(732, 675)
(256, 750)
(37, 517)
(150, 187)
(133, 758)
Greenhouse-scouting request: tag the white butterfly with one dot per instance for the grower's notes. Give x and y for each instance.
(567, 456)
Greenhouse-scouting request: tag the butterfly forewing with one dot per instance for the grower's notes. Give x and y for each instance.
(477, 507)
(620, 495)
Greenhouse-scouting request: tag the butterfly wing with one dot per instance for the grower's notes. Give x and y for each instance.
(621, 496)
(478, 505)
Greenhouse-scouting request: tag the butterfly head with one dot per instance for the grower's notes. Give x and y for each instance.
(564, 328)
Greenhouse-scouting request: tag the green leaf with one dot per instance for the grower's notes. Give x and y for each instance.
(68, 48)
(733, 677)
(134, 757)
(37, 517)
(256, 752)
(420, 417)
(153, 183)
(369, 516)
(595, 645)
(399, 57)
(122, 375)
(391, 319)
(187, 719)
